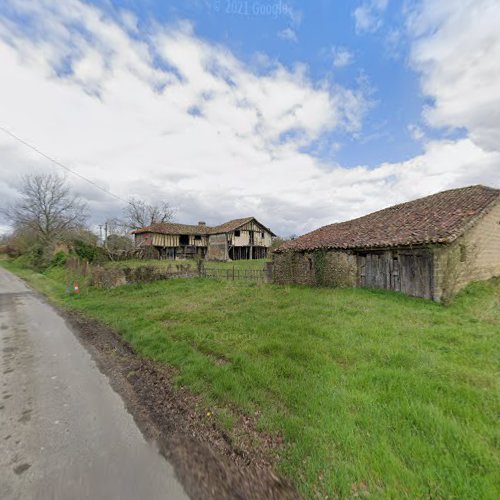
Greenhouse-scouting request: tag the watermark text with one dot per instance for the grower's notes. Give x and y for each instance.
(255, 8)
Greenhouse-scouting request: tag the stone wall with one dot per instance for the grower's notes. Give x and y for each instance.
(112, 277)
(332, 268)
(475, 256)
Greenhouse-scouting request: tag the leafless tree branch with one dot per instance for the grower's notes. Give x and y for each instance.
(46, 207)
(140, 214)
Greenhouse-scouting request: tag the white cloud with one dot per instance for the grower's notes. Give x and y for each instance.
(368, 16)
(394, 43)
(121, 112)
(86, 92)
(288, 34)
(416, 132)
(457, 52)
(341, 57)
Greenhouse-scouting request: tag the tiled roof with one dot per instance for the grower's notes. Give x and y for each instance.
(171, 228)
(439, 218)
(229, 226)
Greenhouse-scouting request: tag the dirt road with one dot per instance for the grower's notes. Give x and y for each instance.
(64, 433)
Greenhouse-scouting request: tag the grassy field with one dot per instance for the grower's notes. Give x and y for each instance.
(375, 394)
(237, 264)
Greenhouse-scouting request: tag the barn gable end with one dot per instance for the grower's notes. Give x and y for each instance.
(474, 256)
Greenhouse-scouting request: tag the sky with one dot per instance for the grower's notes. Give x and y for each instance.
(300, 113)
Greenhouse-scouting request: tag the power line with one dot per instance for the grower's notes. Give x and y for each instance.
(58, 163)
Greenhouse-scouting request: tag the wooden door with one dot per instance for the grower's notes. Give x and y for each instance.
(375, 270)
(417, 273)
(380, 270)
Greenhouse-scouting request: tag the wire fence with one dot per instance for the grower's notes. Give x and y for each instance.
(255, 275)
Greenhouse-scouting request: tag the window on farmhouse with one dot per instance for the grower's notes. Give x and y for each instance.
(262, 234)
(197, 237)
(184, 239)
(237, 233)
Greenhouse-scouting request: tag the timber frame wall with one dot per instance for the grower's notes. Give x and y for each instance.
(248, 253)
(247, 242)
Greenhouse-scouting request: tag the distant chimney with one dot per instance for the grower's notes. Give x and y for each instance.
(201, 223)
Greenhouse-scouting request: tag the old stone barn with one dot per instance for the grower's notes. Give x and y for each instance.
(431, 247)
(238, 239)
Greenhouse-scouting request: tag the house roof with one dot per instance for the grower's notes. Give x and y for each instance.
(439, 218)
(234, 224)
(172, 228)
(231, 225)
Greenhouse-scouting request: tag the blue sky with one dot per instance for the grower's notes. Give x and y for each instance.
(320, 27)
(299, 113)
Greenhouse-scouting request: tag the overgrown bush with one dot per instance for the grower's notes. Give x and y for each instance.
(37, 257)
(13, 251)
(58, 260)
(85, 250)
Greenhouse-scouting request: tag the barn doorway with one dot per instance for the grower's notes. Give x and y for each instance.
(410, 271)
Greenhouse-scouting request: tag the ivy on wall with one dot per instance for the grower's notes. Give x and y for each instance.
(319, 266)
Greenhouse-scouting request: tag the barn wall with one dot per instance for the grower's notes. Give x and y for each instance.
(217, 247)
(143, 239)
(407, 270)
(173, 240)
(401, 269)
(202, 242)
(319, 268)
(165, 240)
(244, 239)
(265, 241)
(252, 226)
(475, 256)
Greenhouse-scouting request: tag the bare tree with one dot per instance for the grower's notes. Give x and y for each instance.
(115, 225)
(139, 214)
(46, 208)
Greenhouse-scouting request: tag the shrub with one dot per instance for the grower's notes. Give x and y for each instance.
(58, 260)
(37, 257)
(13, 251)
(85, 250)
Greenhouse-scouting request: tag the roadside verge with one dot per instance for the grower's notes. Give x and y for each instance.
(206, 459)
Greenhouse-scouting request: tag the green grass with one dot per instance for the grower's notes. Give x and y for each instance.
(237, 264)
(374, 393)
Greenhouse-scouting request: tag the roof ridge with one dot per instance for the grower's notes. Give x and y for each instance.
(405, 203)
(226, 226)
(437, 218)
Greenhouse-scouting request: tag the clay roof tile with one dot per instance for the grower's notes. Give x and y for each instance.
(439, 218)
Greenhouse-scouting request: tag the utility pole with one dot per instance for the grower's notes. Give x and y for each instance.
(106, 235)
(100, 234)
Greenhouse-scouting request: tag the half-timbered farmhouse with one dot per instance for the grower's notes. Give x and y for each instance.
(430, 247)
(234, 240)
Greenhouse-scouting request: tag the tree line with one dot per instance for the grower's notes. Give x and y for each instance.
(47, 218)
